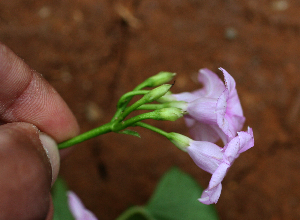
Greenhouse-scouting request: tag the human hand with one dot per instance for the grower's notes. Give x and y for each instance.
(33, 118)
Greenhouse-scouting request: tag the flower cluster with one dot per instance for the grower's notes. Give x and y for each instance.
(214, 112)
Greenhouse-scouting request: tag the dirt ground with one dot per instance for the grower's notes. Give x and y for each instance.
(93, 51)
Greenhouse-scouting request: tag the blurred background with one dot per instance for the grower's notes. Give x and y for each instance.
(93, 51)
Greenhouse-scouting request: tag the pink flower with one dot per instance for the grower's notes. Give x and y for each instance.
(217, 160)
(214, 111)
(77, 208)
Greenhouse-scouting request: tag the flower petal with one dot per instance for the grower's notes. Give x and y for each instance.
(204, 158)
(238, 145)
(218, 175)
(213, 192)
(229, 81)
(200, 131)
(203, 110)
(77, 208)
(212, 84)
(246, 140)
(206, 155)
(185, 96)
(234, 104)
(229, 110)
(210, 196)
(231, 150)
(221, 112)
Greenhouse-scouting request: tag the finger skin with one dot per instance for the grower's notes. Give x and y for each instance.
(25, 96)
(25, 173)
(51, 209)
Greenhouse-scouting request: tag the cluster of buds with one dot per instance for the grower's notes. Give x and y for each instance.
(211, 113)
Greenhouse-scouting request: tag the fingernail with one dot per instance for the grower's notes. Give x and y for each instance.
(52, 152)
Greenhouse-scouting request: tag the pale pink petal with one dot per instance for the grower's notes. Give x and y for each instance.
(229, 81)
(189, 121)
(229, 111)
(218, 175)
(185, 96)
(232, 150)
(77, 208)
(242, 142)
(200, 131)
(213, 192)
(217, 161)
(220, 111)
(212, 84)
(235, 124)
(220, 133)
(206, 155)
(203, 110)
(216, 106)
(234, 105)
(246, 140)
(210, 196)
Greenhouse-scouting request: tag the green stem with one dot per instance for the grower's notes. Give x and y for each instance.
(137, 211)
(177, 104)
(128, 110)
(132, 121)
(87, 135)
(152, 128)
(151, 107)
(129, 95)
(121, 109)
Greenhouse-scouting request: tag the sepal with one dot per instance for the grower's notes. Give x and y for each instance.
(179, 140)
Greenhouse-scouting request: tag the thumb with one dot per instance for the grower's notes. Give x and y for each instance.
(29, 166)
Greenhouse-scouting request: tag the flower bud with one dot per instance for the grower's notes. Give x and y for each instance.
(157, 92)
(169, 114)
(159, 79)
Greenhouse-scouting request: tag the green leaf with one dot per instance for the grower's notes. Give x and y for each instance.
(60, 201)
(176, 198)
(136, 213)
(130, 132)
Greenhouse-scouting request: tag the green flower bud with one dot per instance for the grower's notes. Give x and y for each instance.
(157, 92)
(180, 141)
(159, 79)
(169, 114)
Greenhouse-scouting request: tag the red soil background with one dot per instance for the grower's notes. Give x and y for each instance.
(93, 51)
